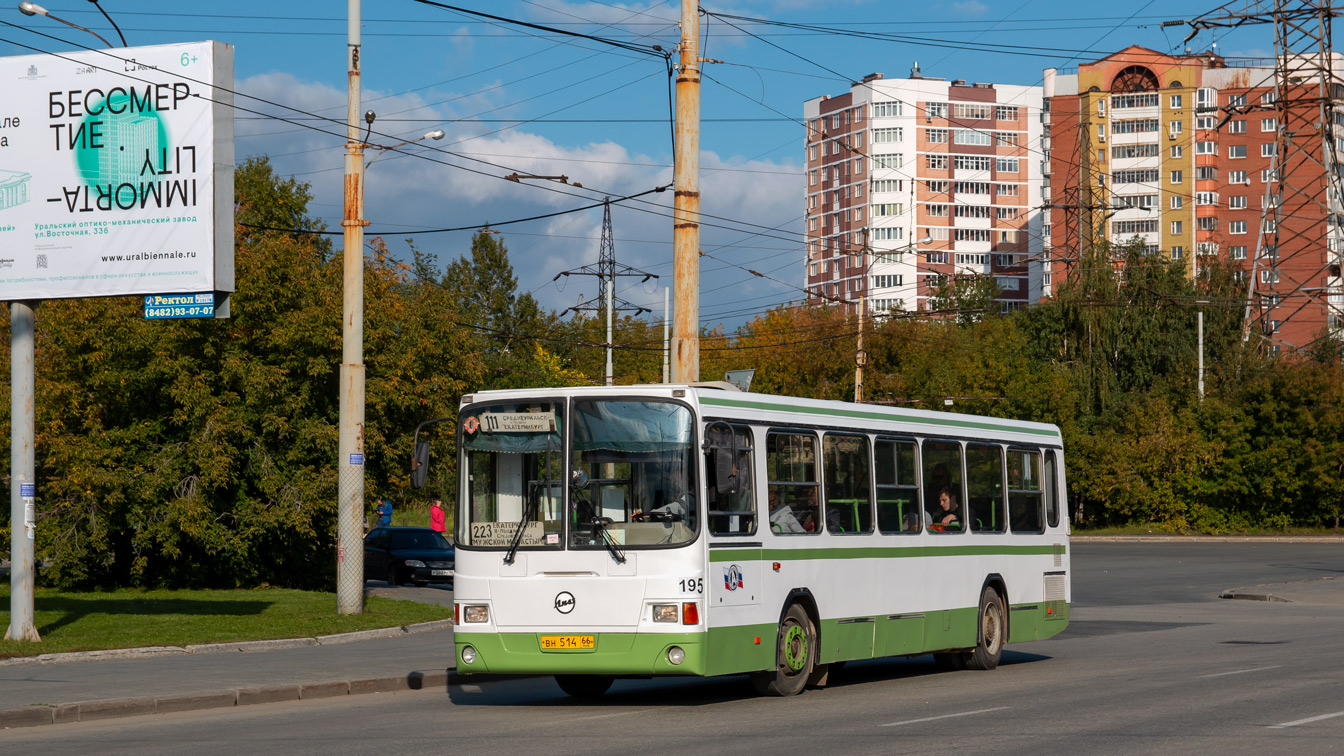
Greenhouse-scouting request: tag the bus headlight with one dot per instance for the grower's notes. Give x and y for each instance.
(475, 614)
(675, 655)
(664, 612)
(468, 655)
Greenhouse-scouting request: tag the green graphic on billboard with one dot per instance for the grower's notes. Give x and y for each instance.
(128, 136)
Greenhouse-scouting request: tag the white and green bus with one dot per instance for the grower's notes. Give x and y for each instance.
(608, 532)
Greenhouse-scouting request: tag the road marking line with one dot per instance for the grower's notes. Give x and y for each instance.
(1309, 720)
(1240, 671)
(607, 716)
(945, 716)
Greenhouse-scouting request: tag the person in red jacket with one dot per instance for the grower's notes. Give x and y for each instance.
(436, 516)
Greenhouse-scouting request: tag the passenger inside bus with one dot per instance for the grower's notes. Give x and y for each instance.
(946, 512)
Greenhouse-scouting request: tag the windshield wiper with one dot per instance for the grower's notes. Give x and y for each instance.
(530, 511)
(614, 548)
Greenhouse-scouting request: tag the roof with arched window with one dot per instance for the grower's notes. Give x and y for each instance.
(1134, 79)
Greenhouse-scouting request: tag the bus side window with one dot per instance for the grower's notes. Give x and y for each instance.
(791, 472)
(898, 509)
(1024, 491)
(733, 513)
(942, 479)
(849, 497)
(1051, 490)
(984, 487)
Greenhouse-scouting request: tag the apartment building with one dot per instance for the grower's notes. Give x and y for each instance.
(910, 181)
(1178, 154)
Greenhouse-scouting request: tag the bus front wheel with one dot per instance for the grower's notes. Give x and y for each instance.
(584, 686)
(795, 656)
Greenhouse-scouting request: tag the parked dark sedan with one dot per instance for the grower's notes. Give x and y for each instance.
(414, 555)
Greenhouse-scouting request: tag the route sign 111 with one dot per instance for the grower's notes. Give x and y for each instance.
(164, 306)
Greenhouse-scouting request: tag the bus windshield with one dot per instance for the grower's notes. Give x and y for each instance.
(512, 470)
(639, 461)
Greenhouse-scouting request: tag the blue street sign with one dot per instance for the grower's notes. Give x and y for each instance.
(164, 306)
(356, 459)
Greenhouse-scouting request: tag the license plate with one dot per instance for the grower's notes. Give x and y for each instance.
(562, 642)
(444, 573)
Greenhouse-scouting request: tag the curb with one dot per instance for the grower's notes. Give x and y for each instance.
(220, 648)
(87, 711)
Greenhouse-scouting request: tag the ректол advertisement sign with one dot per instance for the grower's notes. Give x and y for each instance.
(116, 172)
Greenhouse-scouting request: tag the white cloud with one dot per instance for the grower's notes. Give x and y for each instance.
(405, 194)
(969, 8)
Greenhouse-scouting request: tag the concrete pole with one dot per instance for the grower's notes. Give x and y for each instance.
(686, 215)
(1201, 354)
(859, 355)
(610, 285)
(667, 343)
(350, 485)
(22, 474)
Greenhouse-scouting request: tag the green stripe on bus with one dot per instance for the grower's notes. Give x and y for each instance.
(877, 552)
(890, 415)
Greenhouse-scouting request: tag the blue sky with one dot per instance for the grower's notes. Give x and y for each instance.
(599, 114)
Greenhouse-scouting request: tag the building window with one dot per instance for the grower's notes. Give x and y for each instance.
(1205, 123)
(972, 137)
(1005, 113)
(1210, 224)
(888, 185)
(1134, 126)
(1123, 151)
(972, 162)
(888, 234)
(1177, 151)
(1236, 227)
(1236, 101)
(1237, 203)
(811, 178)
(1236, 127)
(887, 136)
(1269, 276)
(970, 111)
(1006, 190)
(1130, 227)
(858, 165)
(1177, 200)
(1140, 100)
(1206, 173)
(936, 187)
(888, 209)
(1177, 228)
(935, 110)
(1175, 127)
(1237, 177)
(1137, 176)
(935, 162)
(1206, 98)
(1006, 165)
(1206, 148)
(1177, 253)
(1237, 253)
(1268, 150)
(887, 282)
(1206, 198)
(1005, 139)
(1175, 101)
(1008, 237)
(888, 161)
(1101, 131)
(1268, 175)
(935, 136)
(1269, 124)
(1236, 150)
(971, 187)
(887, 109)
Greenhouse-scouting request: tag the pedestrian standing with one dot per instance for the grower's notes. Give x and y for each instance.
(384, 511)
(436, 516)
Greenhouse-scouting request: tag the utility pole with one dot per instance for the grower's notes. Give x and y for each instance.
(686, 205)
(1305, 190)
(606, 272)
(1201, 354)
(667, 344)
(860, 356)
(350, 484)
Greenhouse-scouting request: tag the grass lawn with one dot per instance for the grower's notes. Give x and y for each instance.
(1157, 530)
(129, 618)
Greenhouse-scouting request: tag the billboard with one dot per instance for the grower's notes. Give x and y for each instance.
(116, 172)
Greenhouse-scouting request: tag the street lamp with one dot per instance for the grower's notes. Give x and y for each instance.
(436, 135)
(860, 356)
(33, 9)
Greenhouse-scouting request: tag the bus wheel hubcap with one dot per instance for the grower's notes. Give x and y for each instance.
(795, 648)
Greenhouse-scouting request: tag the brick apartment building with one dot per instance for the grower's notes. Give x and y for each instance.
(893, 162)
(1179, 152)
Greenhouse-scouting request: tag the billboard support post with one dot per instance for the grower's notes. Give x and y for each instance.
(22, 480)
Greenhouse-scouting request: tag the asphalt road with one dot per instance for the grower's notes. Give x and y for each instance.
(1153, 662)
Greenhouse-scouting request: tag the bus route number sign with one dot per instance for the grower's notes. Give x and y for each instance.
(503, 533)
(517, 422)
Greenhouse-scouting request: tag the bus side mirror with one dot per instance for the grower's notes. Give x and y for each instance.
(420, 465)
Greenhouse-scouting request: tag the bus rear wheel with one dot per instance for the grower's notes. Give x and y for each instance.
(991, 633)
(795, 656)
(584, 686)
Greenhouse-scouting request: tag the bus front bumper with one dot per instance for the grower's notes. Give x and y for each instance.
(636, 654)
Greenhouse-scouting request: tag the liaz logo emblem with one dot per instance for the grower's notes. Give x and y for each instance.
(564, 602)
(732, 577)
